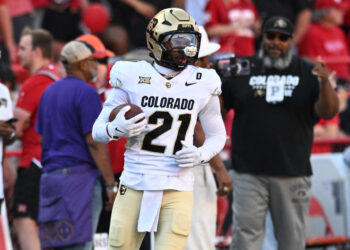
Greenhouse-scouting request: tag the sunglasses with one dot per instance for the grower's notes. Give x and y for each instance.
(102, 60)
(281, 37)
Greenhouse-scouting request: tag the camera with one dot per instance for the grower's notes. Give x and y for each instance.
(227, 65)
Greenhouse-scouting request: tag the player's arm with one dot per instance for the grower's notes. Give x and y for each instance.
(213, 127)
(215, 135)
(99, 132)
(104, 131)
(224, 179)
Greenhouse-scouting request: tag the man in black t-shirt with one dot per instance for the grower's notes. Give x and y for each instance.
(277, 98)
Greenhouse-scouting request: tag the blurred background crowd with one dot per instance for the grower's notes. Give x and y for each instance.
(322, 28)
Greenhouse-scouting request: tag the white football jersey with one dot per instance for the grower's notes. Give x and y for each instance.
(172, 108)
(5, 114)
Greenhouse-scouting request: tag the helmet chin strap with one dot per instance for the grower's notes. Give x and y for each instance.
(171, 65)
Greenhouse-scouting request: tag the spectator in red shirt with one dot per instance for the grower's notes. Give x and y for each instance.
(325, 38)
(21, 14)
(7, 44)
(35, 51)
(233, 24)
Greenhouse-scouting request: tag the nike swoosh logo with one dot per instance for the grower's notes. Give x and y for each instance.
(190, 83)
(119, 130)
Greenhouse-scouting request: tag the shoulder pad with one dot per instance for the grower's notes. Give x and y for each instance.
(121, 71)
(211, 80)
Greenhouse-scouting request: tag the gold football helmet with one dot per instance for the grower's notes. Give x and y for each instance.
(173, 38)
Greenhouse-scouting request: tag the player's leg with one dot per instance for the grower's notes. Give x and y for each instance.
(290, 199)
(250, 205)
(123, 233)
(26, 207)
(174, 220)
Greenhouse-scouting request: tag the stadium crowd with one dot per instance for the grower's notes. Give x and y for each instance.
(63, 51)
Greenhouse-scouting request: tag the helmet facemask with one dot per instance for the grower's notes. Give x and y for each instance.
(179, 50)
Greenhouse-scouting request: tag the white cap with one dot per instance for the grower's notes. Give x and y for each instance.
(76, 51)
(207, 48)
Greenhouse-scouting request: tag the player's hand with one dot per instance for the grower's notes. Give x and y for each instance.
(123, 128)
(189, 156)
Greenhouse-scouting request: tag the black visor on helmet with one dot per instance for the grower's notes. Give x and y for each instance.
(180, 49)
(179, 40)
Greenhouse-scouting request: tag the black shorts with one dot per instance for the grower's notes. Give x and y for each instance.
(26, 192)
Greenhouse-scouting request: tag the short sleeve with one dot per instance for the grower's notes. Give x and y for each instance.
(30, 94)
(215, 82)
(39, 122)
(89, 107)
(333, 121)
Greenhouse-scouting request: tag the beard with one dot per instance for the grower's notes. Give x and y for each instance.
(93, 72)
(280, 63)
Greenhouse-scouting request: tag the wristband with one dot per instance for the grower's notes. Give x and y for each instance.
(113, 187)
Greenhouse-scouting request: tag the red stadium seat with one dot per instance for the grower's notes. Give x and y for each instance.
(329, 239)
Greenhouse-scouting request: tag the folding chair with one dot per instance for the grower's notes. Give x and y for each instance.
(329, 239)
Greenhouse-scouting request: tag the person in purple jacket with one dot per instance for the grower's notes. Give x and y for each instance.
(70, 191)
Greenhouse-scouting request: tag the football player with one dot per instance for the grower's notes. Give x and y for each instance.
(155, 193)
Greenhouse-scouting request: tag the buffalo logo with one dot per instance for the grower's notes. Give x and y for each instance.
(152, 24)
(3, 102)
(65, 230)
(123, 189)
(301, 193)
(280, 23)
(48, 232)
(259, 92)
(144, 80)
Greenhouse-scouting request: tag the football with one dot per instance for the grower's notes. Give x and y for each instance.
(133, 111)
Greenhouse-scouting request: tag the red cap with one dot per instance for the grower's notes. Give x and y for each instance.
(96, 43)
(96, 18)
(327, 4)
